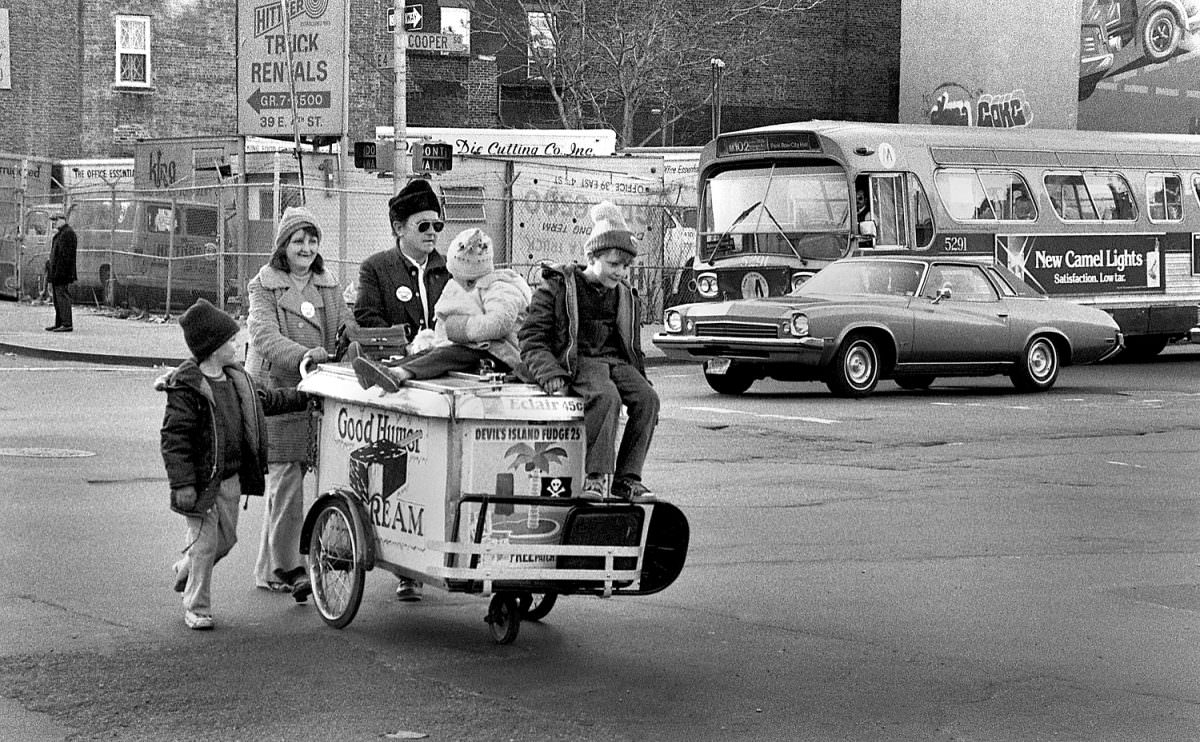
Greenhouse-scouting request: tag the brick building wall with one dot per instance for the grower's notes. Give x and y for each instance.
(192, 72)
(40, 115)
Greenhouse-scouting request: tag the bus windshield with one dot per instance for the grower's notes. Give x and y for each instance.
(794, 211)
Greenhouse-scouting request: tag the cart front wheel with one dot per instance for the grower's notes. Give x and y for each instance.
(504, 618)
(335, 565)
(536, 606)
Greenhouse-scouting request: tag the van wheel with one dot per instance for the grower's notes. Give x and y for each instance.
(114, 293)
(1160, 34)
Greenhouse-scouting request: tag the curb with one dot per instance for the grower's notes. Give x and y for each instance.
(113, 359)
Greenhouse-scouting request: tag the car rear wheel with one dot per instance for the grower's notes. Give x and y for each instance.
(734, 381)
(855, 369)
(1161, 34)
(921, 381)
(1039, 366)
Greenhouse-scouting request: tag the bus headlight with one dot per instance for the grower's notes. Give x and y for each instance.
(798, 280)
(706, 285)
(799, 325)
(673, 320)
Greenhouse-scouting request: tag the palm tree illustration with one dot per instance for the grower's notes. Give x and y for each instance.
(536, 458)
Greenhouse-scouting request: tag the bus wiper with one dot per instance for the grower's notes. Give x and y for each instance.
(783, 234)
(729, 229)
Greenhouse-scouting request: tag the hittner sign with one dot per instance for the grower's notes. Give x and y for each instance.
(316, 38)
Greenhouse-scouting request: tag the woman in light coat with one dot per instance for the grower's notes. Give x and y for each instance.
(296, 310)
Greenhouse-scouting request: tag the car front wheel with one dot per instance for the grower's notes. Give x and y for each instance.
(734, 381)
(855, 369)
(1038, 369)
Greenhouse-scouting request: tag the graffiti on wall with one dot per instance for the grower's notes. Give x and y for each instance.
(952, 104)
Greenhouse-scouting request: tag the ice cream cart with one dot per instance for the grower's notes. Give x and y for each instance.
(469, 484)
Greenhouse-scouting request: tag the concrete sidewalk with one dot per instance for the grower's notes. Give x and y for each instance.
(104, 335)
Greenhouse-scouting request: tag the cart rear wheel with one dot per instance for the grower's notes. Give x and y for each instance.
(335, 565)
(536, 606)
(504, 618)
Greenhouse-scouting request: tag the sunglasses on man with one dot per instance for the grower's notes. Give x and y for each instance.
(423, 227)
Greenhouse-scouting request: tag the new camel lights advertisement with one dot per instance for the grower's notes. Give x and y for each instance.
(1084, 264)
(304, 52)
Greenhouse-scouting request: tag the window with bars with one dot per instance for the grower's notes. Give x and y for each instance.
(133, 50)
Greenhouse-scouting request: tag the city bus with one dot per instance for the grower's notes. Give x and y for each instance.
(129, 247)
(1110, 220)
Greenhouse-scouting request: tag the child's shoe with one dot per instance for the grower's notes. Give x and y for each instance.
(198, 621)
(629, 489)
(408, 590)
(372, 373)
(593, 487)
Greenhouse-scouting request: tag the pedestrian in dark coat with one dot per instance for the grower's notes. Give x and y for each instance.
(60, 273)
(214, 447)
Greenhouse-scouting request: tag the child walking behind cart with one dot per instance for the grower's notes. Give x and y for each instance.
(214, 448)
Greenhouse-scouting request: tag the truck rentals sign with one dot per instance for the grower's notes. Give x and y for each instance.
(303, 54)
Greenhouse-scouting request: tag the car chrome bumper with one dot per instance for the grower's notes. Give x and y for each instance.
(1113, 351)
(690, 347)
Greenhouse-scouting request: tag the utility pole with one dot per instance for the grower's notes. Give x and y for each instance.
(718, 67)
(400, 102)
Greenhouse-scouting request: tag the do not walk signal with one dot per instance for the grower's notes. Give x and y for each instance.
(373, 155)
(432, 157)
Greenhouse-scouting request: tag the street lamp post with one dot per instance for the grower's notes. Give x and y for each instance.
(718, 67)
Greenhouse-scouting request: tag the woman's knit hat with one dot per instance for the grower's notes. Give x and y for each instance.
(294, 217)
(206, 328)
(470, 255)
(418, 195)
(609, 230)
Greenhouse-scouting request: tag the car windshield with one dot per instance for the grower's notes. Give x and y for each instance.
(776, 210)
(885, 277)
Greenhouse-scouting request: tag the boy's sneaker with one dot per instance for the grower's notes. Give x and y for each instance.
(372, 373)
(593, 488)
(629, 489)
(408, 590)
(301, 589)
(198, 621)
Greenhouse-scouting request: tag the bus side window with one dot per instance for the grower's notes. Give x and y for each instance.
(1164, 197)
(922, 213)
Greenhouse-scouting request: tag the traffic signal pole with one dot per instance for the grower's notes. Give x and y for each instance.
(400, 103)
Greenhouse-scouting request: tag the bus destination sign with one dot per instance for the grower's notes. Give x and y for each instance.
(744, 144)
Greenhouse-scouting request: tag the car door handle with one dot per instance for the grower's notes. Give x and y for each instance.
(1002, 315)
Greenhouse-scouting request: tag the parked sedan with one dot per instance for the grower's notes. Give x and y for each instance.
(911, 319)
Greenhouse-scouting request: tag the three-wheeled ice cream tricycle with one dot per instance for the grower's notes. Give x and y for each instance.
(469, 484)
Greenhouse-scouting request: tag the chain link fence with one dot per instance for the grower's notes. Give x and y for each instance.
(160, 250)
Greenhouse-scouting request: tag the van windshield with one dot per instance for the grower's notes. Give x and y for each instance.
(98, 215)
(791, 211)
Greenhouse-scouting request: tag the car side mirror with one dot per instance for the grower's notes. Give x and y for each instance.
(943, 293)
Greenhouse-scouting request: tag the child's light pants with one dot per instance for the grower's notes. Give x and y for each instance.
(210, 536)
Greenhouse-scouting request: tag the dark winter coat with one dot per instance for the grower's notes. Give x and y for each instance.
(61, 266)
(549, 337)
(381, 275)
(189, 434)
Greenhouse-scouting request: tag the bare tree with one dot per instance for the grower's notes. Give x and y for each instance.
(605, 60)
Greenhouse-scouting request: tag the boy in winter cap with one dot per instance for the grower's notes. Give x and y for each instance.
(583, 334)
(477, 319)
(214, 447)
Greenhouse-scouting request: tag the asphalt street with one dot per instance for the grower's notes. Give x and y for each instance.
(965, 563)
